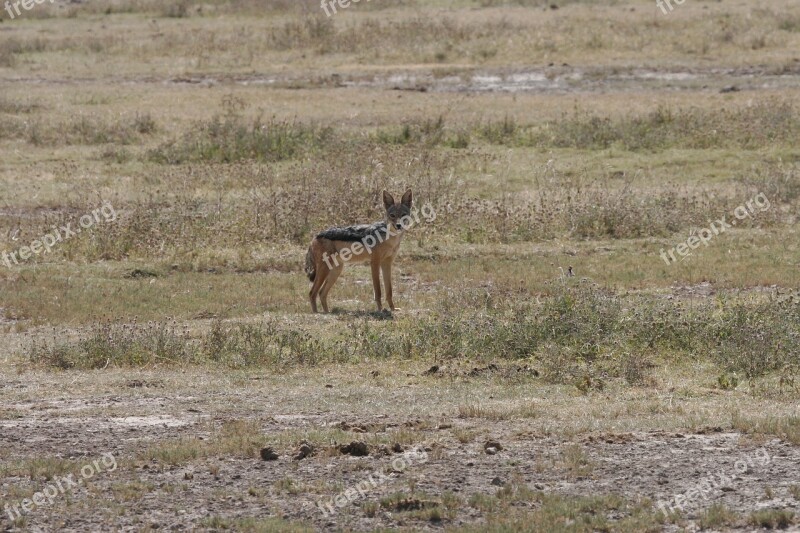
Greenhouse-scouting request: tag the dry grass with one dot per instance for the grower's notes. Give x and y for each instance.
(578, 334)
(227, 36)
(507, 512)
(784, 427)
(266, 122)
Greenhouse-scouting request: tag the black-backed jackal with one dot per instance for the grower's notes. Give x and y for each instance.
(376, 244)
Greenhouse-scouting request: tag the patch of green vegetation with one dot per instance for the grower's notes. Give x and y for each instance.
(230, 138)
(759, 126)
(576, 462)
(772, 518)
(255, 525)
(287, 485)
(786, 427)
(417, 505)
(238, 438)
(46, 468)
(563, 513)
(82, 130)
(161, 343)
(717, 516)
(578, 334)
(131, 491)
(120, 345)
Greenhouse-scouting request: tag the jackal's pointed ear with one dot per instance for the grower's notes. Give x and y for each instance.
(406, 201)
(388, 200)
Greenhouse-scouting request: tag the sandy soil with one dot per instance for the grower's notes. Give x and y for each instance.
(126, 412)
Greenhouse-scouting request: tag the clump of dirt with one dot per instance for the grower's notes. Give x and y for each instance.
(491, 447)
(611, 438)
(355, 448)
(141, 384)
(268, 454)
(431, 371)
(412, 504)
(305, 450)
(475, 372)
(139, 274)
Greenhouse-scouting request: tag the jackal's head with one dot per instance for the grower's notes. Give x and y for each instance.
(398, 216)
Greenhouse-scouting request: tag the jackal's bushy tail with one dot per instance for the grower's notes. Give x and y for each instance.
(311, 270)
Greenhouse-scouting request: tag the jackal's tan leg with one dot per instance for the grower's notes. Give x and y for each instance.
(322, 274)
(332, 277)
(386, 269)
(376, 281)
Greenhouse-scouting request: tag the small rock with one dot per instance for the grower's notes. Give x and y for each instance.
(268, 454)
(497, 482)
(491, 450)
(493, 444)
(431, 371)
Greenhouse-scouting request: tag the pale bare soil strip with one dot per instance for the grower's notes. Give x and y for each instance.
(639, 444)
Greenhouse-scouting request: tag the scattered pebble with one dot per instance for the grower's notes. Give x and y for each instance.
(492, 445)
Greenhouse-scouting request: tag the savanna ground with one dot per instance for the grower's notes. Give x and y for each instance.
(589, 134)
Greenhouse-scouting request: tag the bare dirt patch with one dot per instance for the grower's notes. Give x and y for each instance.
(548, 79)
(161, 484)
